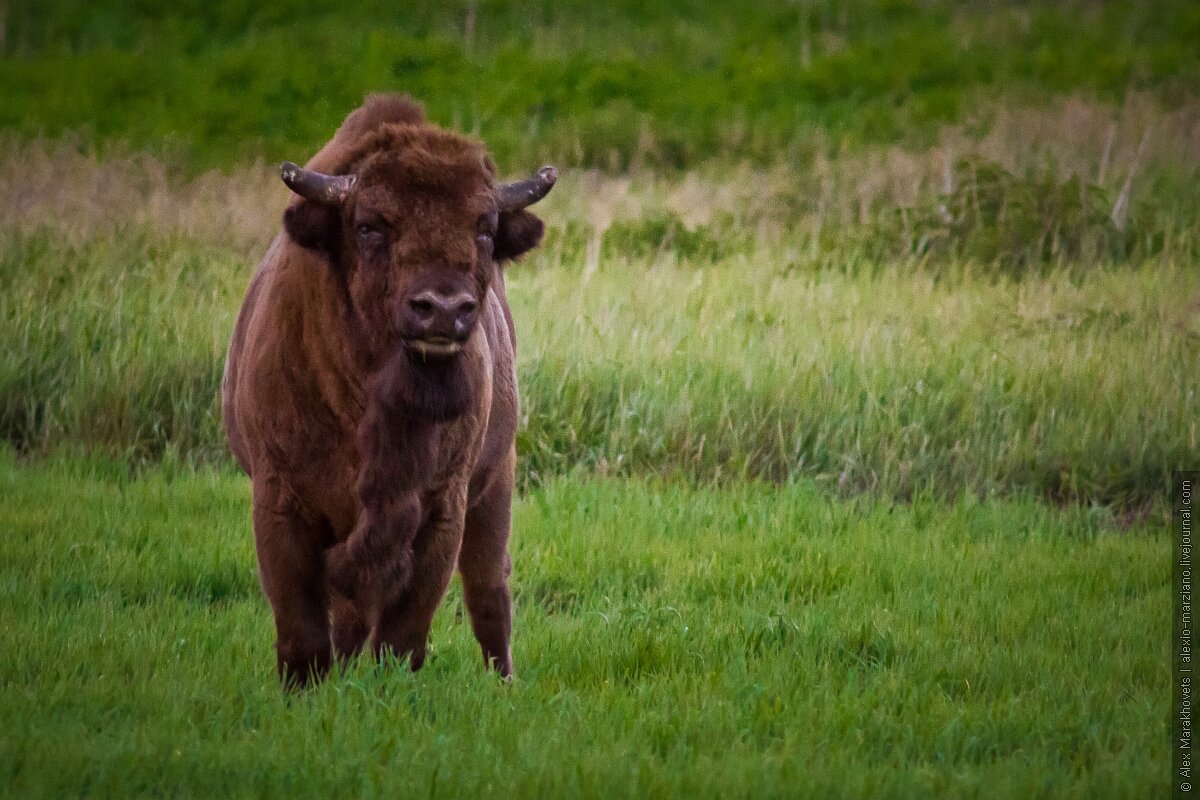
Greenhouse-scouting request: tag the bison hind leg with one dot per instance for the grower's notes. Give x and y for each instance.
(485, 566)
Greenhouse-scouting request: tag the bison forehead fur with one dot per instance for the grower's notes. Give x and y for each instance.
(370, 391)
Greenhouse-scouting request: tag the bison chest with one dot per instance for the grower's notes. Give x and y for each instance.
(405, 463)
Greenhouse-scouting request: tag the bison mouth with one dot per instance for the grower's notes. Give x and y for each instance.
(434, 348)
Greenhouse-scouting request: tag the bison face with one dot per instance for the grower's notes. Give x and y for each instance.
(414, 230)
(418, 256)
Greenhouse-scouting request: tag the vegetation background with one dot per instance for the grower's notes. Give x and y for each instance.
(855, 365)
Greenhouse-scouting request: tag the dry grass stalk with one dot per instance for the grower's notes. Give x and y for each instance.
(66, 186)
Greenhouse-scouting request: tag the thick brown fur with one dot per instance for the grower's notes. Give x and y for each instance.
(377, 469)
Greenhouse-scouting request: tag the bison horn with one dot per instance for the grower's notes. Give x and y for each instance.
(328, 190)
(519, 194)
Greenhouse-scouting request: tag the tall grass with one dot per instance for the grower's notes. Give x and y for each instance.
(696, 326)
(896, 382)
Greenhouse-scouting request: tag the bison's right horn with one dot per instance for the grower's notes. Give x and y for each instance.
(519, 194)
(328, 190)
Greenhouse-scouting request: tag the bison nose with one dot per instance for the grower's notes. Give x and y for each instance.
(441, 315)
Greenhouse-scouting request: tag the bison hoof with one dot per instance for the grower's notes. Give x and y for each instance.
(502, 665)
(298, 670)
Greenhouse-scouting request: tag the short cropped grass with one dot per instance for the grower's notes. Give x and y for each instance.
(747, 641)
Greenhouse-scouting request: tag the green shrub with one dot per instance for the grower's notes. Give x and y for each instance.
(1015, 223)
(665, 233)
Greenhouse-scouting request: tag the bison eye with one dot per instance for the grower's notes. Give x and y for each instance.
(368, 234)
(484, 240)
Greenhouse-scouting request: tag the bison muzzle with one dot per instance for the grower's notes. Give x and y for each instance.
(370, 391)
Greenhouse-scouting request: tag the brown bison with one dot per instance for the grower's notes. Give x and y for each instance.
(370, 391)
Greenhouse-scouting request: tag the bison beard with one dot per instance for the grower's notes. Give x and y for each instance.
(408, 397)
(437, 390)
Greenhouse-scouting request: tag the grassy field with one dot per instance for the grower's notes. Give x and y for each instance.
(600, 84)
(855, 363)
(747, 641)
(691, 327)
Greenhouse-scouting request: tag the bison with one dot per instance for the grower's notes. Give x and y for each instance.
(370, 391)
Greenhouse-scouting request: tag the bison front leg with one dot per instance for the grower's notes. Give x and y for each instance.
(289, 563)
(485, 566)
(404, 623)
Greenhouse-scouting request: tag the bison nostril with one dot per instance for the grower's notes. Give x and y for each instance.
(421, 306)
(465, 317)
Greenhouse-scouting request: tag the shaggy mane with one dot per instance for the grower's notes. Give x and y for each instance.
(376, 111)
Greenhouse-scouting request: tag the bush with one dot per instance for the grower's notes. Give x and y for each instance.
(665, 233)
(1016, 223)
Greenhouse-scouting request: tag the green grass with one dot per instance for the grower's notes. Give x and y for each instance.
(750, 641)
(602, 84)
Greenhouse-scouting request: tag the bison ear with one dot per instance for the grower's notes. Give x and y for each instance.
(518, 232)
(314, 226)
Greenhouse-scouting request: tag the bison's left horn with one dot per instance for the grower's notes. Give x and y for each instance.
(519, 194)
(328, 190)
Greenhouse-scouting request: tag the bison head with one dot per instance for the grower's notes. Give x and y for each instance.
(413, 228)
